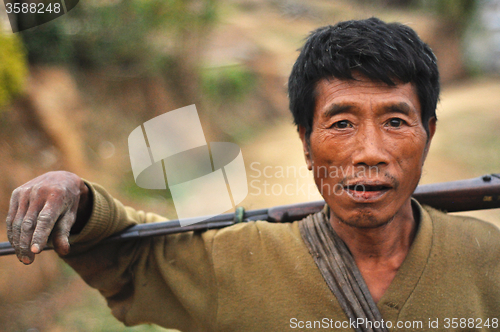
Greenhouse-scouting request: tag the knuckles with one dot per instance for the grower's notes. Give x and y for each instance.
(44, 218)
(52, 184)
(28, 224)
(16, 227)
(42, 230)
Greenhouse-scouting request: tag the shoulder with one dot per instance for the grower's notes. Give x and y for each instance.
(255, 258)
(255, 247)
(259, 234)
(463, 227)
(468, 237)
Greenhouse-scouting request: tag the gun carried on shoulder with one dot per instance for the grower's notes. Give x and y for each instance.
(464, 195)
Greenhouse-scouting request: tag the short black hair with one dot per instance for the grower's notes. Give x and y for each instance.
(388, 52)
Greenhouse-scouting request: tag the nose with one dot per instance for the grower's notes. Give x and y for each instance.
(371, 149)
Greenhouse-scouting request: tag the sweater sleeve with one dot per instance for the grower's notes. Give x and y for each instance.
(167, 280)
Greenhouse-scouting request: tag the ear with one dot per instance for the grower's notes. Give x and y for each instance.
(432, 131)
(305, 146)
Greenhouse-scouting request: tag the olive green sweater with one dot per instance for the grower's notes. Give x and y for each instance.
(259, 276)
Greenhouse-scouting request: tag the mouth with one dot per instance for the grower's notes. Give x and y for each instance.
(367, 192)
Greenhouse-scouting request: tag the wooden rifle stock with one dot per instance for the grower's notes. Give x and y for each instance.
(465, 195)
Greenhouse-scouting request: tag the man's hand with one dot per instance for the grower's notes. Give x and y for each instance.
(45, 206)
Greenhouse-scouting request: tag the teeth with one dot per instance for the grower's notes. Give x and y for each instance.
(366, 188)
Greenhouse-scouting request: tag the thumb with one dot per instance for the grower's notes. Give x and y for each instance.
(60, 235)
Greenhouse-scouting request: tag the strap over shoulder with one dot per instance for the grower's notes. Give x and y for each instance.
(340, 272)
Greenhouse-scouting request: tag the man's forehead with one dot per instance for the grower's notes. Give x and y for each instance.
(359, 80)
(345, 91)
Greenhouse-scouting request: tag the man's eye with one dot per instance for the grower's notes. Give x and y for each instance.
(395, 122)
(342, 124)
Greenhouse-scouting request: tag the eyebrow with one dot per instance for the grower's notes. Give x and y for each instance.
(402, 108)
(335, 109)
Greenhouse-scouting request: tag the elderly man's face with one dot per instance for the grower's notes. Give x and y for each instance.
(367, 148)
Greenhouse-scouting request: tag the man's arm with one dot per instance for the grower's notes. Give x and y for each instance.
(167, 280)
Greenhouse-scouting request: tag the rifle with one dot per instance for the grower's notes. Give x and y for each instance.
(464, 195)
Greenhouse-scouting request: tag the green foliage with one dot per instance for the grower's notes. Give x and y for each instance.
(47, 44)
(458, 11)
(113, 36)
(177, 14)
(126, 35)
(452, 10)
(13, 68)
(229, 83)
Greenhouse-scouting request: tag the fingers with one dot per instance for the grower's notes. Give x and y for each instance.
(28, 224)
(14, 203)
(34, 221)
(15, 228)
(60, 235)
(45, 221)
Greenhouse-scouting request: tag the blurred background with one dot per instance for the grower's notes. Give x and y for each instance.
(72, 90)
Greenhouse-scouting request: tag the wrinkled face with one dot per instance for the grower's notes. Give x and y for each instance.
(366, 149)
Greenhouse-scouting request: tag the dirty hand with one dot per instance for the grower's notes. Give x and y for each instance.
(45, 206)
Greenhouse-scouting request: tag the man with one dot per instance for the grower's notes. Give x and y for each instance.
(363, 95)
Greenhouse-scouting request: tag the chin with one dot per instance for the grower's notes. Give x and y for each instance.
(364, 219)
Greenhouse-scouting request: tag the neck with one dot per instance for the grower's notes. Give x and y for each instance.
(380, 243)
(379, 252)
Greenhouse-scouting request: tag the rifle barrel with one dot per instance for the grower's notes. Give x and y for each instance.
(465, 195)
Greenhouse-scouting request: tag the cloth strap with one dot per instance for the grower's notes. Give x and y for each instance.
(340, 272)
